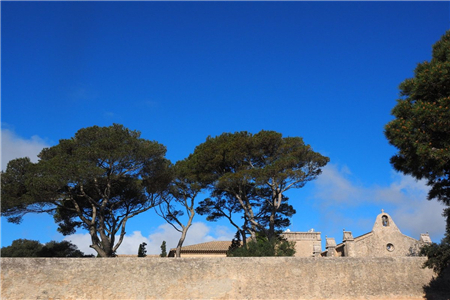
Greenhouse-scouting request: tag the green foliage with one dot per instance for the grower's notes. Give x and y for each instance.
(264, 247)
(30, 248)
(281, 219)
(439, 254)
(235, 243)
(178, 203)
(249, 173)
(142, 252)
(421, 128)
(61, 249)
(163, 249)
(225, 206)
(285, 248)
(421, 132)
(96, 180)
(22, 248)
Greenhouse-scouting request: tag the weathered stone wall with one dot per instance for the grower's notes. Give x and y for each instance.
(382, 236)
(214, 278)
(385, 240)
(376, 245)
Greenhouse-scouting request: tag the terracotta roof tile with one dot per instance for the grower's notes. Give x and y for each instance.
(214, 246)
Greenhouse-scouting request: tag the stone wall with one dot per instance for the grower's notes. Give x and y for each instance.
(385, 240)
(214, 278)
(376, 244)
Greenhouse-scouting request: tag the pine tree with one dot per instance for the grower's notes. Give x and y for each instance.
(142, 252)
(163, 249)
(421, 132)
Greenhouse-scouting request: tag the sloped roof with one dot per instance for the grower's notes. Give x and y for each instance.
(214, 246)
(358, 238)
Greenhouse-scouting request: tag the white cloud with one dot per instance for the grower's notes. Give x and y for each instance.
(82, 241)
(421, 217)
(334, 186)
(412, 209)
(14, 146)
(406, 198)
(198, 233)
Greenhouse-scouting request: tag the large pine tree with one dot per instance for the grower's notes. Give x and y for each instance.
(421, 132)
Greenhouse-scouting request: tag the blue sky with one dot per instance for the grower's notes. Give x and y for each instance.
(181, 71)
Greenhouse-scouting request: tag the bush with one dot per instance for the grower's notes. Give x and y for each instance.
(264, 247)
(142, 252)
(30, 248)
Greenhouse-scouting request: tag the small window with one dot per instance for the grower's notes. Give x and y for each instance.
(390, 247)
(385, 221)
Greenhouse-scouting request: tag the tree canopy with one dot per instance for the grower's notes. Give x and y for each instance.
(180, 198)
(421, 128)
(163, 249)
(439, 254)
(142, 251)
(97, 180)
(31, 248)
(251, 172)
(225, 206)
(421, 133)
(262, 246)
(103, 176)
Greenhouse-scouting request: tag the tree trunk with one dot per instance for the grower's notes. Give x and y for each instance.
(184, 233)
(101, 246)
(271, 232)
(180, 242)
(277, 197)
(244, 238)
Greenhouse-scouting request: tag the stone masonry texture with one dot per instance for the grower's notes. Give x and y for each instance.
(214, 278)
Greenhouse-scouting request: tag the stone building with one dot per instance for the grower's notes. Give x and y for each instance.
(307, 244)
(208, 249)
(385, 240)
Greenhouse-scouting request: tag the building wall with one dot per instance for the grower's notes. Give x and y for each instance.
(305, 242)
(377, 245)
(385, 240)
(214, 278)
